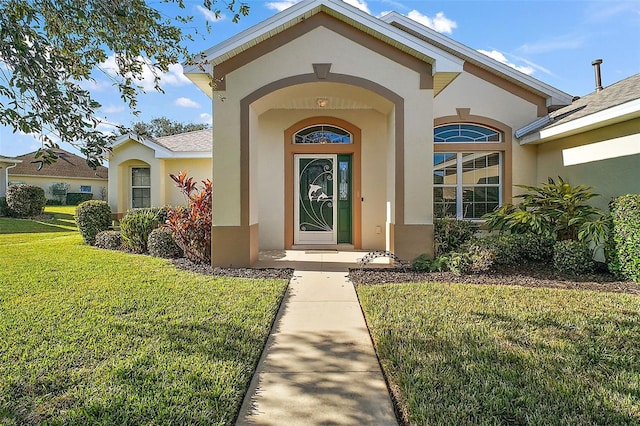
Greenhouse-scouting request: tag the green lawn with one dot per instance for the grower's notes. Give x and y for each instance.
(469, 354)
(89, 336)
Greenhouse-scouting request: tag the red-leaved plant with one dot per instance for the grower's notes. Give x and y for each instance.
(191, 225)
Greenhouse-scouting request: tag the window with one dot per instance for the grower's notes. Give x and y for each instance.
(85, 188)
(466, 184)
(140, 187)
(322, 135)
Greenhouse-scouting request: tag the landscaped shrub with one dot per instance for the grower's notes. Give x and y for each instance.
(555, 210)
(625, 213)
(75, 198)
(424, 263)
(135, 228)
(92, 216)
(450, 234)
(191, 226)
(52, 202)
(25, 200)
(110, 240)
(534, 247)
(161, 244)
(459, 263)
(573, 257)
(4, 207)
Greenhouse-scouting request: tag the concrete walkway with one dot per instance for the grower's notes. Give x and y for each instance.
(319, 366)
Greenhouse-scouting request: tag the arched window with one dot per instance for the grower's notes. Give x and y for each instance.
(322, 134)
(467, 183)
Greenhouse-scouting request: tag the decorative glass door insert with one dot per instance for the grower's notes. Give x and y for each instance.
(315, 206)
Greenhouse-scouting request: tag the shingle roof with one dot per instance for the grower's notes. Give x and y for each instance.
(196, 141)
(617, 94)
(67, 165)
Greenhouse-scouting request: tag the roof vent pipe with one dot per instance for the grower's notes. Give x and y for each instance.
(596, 65)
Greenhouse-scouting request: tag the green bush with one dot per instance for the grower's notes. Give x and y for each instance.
(160, 212)
(75, 198)
(625, 257)
(424, 263)
(556, 210)
(135, 228)
(162, 244)
(92, 216)
(4, 207)
(25, 200)
(460, 263)
(52, 202)
(573, 257)
(450, 234)
(110, 240)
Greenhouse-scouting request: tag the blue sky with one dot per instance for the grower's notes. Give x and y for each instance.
(553, 41)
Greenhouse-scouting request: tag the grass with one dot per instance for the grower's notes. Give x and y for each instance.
(469, 354)
(89, 336)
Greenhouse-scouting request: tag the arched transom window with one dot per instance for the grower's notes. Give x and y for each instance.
(467, 181)
(322, 134)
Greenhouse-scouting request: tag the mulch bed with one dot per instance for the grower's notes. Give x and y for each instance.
(526, 275)
(258, 273)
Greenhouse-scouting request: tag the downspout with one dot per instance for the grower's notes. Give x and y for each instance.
(6, 178)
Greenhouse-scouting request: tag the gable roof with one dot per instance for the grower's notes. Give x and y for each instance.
(613, 104)
(446, 56)
(68, 165)
(195, 144)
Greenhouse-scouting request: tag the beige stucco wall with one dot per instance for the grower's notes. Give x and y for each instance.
(98, 186)
(488, 100)
(609, 177)
(370, 113)
(163, 190)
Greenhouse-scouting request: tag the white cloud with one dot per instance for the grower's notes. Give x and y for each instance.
(112, 109)
(206, 118)
(563, 42)
(95, 85)
(360, 4)
(186, 103)
(280, 5)
(439, 23)
(209, 15)
(174, 77)
(499, 56)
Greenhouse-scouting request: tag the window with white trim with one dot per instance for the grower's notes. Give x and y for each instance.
(466, 184)
(85, 188)
(140, 187)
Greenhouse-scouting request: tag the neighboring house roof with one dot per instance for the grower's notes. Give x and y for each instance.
(397, 30)
(11, 160)
(613, 104)
(67, 165)
(196, 141)
(196, 144)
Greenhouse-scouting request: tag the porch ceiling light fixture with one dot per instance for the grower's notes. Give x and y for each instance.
(322, 102)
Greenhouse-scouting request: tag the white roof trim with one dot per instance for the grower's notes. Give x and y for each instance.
(159, 150)
(557, 97)
(9, 160)
(444, 61)
(596, 120)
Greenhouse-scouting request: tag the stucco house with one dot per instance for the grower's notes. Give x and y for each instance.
(68, 168)
(139, 168)
(340, 128)
(6, 163)
(337, 129)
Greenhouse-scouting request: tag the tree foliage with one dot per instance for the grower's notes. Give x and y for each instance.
(49, 48)
(164, 126)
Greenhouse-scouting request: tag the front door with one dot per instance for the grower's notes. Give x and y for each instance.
(322, 194)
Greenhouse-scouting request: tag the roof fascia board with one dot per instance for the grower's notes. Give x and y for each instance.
(617, 114)
(555, 96)
(9, 160)
(444, 61)
(58, 177)
(186, 154)
(159, 150)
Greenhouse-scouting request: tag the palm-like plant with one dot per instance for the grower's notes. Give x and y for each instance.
(554, 209)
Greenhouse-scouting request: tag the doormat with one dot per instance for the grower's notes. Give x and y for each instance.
(321, 252)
